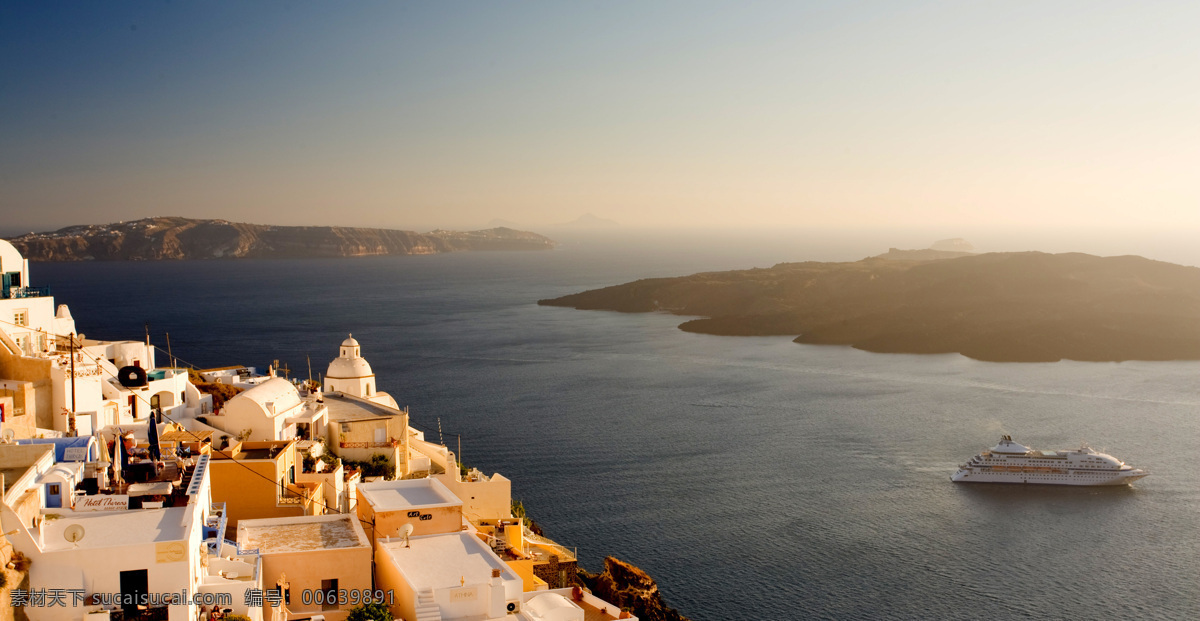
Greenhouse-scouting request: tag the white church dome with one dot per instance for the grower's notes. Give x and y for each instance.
(349, 364)
(347, 368)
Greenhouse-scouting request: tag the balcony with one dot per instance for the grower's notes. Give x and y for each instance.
(215, 525)
(14, 293)
(291, 498)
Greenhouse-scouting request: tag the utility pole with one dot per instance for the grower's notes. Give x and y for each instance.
(169, 354)
(71, 431)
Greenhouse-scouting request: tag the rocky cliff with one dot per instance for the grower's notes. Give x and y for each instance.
(184, 238)
(630, 588)
(1025, 306)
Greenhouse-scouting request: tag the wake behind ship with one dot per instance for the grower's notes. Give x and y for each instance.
(1010, 462)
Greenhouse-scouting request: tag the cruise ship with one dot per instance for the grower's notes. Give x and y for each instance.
(1010, 462)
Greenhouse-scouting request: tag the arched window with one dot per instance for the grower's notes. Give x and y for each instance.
(368, 389)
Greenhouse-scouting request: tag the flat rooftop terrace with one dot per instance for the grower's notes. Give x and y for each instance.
(347, 409)
(407, 494)
(301, 534)
(445, 561)
(112, 529)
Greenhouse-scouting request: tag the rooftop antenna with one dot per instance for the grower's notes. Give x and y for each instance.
(441, 440)
(169, 354)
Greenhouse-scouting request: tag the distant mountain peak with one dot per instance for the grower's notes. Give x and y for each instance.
(591, 220)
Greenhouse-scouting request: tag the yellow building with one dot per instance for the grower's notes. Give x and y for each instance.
(258, 480)
(312, 558)
(425, 504)
(359, 429)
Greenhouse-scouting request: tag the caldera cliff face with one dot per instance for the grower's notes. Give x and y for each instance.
(183, 238)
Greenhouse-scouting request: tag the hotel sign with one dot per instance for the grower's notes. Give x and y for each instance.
(103, 502)
(169, 551)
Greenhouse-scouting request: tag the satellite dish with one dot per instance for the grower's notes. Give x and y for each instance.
(73, 533)
(8, 435)
(406, 531)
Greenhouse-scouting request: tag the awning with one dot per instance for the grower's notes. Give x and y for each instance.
(156, 488)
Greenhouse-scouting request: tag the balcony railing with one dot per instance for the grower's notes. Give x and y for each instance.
(14, 293)
(288, 497)
(389, 444)
(156, 613)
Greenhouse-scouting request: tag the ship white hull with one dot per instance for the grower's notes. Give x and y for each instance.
(1119, 477)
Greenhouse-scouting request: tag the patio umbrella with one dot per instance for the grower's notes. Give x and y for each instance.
(104, 457)
(124, 462)
(152, 434)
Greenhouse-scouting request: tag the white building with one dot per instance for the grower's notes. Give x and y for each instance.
(568, 605)
(60, 382)
(27, 313)
(120, 550)
(273, 410)
(455, 576)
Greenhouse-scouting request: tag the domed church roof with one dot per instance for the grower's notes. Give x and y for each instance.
(349, 365)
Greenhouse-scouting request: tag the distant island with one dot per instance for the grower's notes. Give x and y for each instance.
(184, 238)
(1013, 307)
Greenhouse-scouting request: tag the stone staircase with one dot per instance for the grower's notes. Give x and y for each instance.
(427, 609)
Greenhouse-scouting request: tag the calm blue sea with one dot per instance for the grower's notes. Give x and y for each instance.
(754, 478)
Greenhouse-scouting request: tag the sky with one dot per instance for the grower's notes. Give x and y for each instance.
(653, 114)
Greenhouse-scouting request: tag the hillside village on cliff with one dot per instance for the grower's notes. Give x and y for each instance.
(127, 495)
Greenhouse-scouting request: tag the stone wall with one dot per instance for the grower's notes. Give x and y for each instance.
(12, 579)
(557, 575)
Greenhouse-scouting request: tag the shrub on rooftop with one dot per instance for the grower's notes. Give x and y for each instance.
(372, 611)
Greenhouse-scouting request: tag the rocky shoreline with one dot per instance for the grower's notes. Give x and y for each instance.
(631, 588)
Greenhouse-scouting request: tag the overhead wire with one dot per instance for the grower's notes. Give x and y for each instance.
(273, 482)
(97, 361)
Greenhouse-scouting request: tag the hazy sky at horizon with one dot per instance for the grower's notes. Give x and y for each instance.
(788, 114)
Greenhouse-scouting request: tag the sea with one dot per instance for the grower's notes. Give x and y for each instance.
(753, 478)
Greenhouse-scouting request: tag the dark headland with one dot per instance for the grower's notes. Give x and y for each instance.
(1015, 307)
(185, 238)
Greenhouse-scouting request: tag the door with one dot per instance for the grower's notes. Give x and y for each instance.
(134, 589)
(54, 495)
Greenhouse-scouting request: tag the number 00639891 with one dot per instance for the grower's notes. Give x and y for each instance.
(343, 597)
